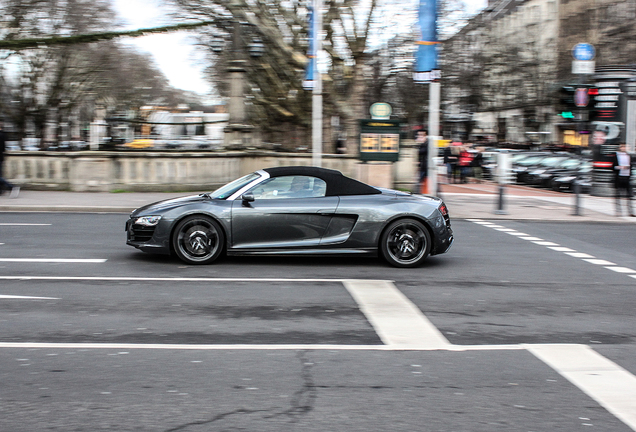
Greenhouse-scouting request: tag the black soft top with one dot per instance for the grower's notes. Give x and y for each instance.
(337, 183)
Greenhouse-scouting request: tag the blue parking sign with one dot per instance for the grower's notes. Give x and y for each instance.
(583, 51)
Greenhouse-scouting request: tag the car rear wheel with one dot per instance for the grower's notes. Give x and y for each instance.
(198, 240)
(405, 243)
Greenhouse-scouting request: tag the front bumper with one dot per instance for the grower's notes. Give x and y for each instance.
(148, 239)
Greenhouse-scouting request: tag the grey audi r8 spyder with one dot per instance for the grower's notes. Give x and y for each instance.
(294, 210)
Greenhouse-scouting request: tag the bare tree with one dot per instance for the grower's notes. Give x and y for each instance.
(54, 75)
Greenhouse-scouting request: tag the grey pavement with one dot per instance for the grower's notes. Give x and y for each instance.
(465, 201)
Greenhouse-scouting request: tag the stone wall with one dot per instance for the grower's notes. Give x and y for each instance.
(99, 171)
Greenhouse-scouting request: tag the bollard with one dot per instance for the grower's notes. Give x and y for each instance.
(503, 174)
(577, 197)
(500, 202)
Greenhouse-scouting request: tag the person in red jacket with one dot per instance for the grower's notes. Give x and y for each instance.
(464, 163)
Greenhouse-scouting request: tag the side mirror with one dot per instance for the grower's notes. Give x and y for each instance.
(247, 197)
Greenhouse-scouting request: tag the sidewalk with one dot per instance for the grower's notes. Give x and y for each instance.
(464, 201)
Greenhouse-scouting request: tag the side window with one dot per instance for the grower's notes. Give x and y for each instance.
(290, 187)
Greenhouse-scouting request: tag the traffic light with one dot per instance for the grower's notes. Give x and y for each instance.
(566, 105)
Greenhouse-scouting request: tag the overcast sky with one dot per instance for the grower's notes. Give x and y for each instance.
(173, 52)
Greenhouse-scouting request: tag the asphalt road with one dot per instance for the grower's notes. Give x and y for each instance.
(524, 326)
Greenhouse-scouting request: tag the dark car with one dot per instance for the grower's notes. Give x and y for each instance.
(565, 182)
(294, 210)
(551, 168)
(525, 166)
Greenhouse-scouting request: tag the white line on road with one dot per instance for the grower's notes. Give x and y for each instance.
(256, 347)
(395, 318)
(53, 260)
(555, 247)
(607, 383)
(24, 224)
(2, 296)
(163, 279)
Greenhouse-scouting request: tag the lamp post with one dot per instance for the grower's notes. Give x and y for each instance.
(239, 134)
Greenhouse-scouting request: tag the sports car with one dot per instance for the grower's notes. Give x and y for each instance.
(294, 210)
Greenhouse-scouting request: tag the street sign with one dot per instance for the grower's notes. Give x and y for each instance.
(380, 110)
(583, 52)
(380, 140)
(583, 66)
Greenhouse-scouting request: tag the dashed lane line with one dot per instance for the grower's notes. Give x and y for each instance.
(2, 296)
(558, 248)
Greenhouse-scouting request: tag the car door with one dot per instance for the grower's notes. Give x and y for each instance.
(287, 212)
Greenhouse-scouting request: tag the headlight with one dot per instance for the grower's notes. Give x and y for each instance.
(147, 220)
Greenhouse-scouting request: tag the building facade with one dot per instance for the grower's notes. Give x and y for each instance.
(503, 72)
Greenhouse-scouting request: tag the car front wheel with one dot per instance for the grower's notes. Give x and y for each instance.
(198, 240)
(405, 243)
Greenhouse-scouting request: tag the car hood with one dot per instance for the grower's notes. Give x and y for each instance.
(161, 206)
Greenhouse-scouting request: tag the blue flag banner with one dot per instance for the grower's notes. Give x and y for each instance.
(426, 68)
(308, 83)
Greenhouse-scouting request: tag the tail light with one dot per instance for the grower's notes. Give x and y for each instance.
(443, 210)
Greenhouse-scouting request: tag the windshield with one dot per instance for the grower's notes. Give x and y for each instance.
(551, 161)
(225, 191)
(531, 160)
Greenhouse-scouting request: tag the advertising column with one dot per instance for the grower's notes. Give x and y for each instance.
(608, 120)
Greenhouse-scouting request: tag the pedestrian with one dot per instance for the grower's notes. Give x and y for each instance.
(4, 184)
(622, 165)
(422, 153)
(450, 160)
(465, 160)
(477, 163)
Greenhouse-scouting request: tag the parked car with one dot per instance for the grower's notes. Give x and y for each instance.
(523, 164)
(294, 210)
(565, 181)
(550, 168)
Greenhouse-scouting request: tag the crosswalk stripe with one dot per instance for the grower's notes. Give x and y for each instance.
(607, 383)
(395, 318)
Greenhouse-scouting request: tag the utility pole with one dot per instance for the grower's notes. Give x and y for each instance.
(433, 135)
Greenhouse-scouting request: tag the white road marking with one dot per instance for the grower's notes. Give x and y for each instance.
(53, 260)
(2, 296)
(279, 347)
(621, 269)
(545, 243)
(24, 224)
(403, 327)
(607, 383)
(599, 262)
(163, 279)
(568, 251)
(579, 255)
(395, 318)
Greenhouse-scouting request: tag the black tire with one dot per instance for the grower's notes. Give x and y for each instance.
(198, 240)
(405, 243)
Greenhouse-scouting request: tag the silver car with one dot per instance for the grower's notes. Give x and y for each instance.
(294, 210)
